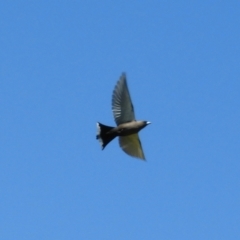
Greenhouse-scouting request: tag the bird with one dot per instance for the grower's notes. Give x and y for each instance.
(127, 127)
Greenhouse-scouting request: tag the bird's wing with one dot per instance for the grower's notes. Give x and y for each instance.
(131, 145)
(121, 102)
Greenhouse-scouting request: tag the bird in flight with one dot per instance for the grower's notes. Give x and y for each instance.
(127, 127)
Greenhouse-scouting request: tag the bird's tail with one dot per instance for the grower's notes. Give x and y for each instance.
(103, 136)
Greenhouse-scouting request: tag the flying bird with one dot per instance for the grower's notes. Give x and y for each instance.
(127, 127)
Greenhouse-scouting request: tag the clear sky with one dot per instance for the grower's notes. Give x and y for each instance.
(59, 63)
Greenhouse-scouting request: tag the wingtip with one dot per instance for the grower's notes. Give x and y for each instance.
(140, 158)
(144, 159)
(123, 74)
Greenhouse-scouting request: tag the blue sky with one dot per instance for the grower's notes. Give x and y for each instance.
(59, 63)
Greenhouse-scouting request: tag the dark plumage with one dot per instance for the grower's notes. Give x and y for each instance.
(127, 127)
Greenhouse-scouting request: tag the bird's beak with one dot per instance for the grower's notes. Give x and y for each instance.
(148, 123)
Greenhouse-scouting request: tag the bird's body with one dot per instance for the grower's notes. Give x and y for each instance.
(127, 127)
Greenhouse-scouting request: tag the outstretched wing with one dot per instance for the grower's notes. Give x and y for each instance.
(131, 145)
(121, 102)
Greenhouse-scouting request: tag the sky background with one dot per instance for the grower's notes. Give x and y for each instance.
(59, 63)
